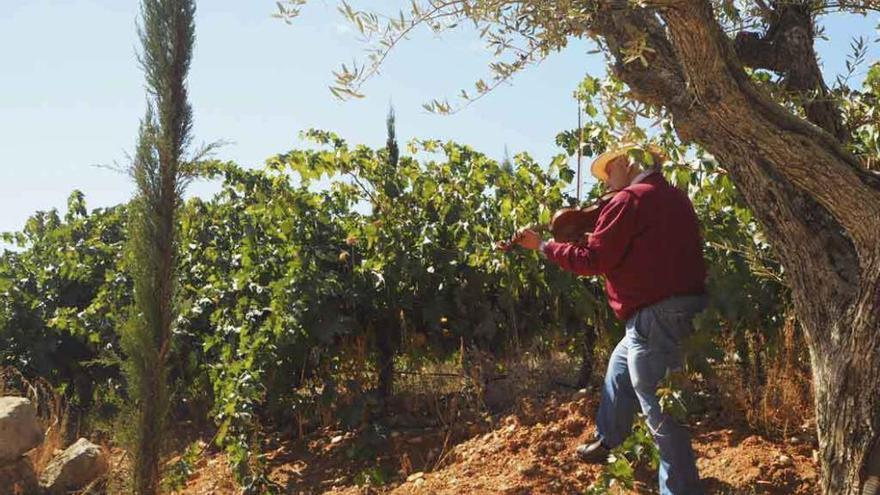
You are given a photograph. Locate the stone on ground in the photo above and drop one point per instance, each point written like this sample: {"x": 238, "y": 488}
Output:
{"x": 19, "y": 429}
{"x": 76, "y": 467}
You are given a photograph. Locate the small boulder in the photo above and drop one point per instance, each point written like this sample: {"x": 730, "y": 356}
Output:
{"x": 19, "y": 429}
{"x": 530, "y": 469}
{"x": 76, "y": 467}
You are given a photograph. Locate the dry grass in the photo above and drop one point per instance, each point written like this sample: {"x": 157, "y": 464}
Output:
{"x": 477, "y": 385}
{"x": 51, "y": 412}
{"x": 774, "y": 391}
{"x": 787, "y": 399}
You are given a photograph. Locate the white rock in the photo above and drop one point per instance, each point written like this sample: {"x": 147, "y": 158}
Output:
{"x": 580, "y": 394}
{"x": 19, "y": 429}
{"x": 336, "y": 439}
{"x": 415, "y": 476}
{"x": 76, "y": 467}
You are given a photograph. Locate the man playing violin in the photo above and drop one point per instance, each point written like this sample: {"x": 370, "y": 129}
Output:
{"x": 647, "y": 245}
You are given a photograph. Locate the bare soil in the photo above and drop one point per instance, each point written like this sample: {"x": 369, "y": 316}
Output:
{"x": 528, "y": 450}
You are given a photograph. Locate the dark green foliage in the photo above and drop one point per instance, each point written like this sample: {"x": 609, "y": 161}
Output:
{"x": 146, "y": 333}
{"x": 391, "y": 144}
{"x": 387, "y": 328}
{"x": 167, "y": 34}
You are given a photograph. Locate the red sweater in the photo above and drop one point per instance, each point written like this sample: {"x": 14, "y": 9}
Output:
{"x": 646, "y": 243}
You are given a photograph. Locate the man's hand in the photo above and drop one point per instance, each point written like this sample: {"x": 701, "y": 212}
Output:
{"x": 528, "y": 239}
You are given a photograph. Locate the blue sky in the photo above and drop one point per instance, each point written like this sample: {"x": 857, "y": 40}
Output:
{"x": 71, "y": 93}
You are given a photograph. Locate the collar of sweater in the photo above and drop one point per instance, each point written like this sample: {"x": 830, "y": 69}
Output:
{"x": 642, "y": 176}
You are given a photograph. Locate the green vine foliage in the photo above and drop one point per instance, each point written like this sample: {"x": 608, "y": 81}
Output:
{"x": 426, "y": 249}
{"x": 289, "y": 265}
{"x": 619, "y": 472}
{"x": 274, "y": 276}
{"x": 280, "y": 275}
{"x": 62, "y": 294}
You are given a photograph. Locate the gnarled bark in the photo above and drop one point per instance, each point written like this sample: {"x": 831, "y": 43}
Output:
{"x": 819, "y": 207}
{"x": 787, "y": 48}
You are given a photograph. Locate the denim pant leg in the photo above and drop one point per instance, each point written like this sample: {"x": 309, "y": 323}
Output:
{"x": 652, "y": 351}
{"x": 618, "y": 403}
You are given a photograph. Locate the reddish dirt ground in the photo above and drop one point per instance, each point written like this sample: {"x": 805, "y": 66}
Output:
{"x": 528, "y": 451}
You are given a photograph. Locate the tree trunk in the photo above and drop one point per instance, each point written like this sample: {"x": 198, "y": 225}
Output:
{"x": 588, "y": 361}
{"x": 387, "y": 337}
{"x": 846, "y": 386}
{"x": 819, "y": 207}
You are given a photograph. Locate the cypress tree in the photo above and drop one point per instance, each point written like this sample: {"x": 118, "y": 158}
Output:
{"x": 388, "y": 329}
{"x": 167, "y": 33}
{"x": 391, "y": 141}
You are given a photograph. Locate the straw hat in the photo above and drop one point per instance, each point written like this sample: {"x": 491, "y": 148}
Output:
{"x": 600, "y": 164}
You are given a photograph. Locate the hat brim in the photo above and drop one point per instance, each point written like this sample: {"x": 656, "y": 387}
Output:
{"x": 599, "y": 168}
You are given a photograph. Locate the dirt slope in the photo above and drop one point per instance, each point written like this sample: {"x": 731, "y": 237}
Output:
{"x": 530, "y": 451}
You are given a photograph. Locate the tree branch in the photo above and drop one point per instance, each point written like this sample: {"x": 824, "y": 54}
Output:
{"x": 787, "y": 48}
{"x": 812, "y": 197}
{"x": 657, "y": 78}
{"x": 727, "y": 99}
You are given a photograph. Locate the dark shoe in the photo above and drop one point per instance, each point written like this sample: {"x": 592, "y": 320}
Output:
{"x": 593, "y": 453}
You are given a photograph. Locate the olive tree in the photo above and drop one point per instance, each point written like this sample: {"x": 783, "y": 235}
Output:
{"x": 741, "y": 80}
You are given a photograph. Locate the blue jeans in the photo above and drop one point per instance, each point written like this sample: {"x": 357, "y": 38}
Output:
{"x": 649, "y": 350}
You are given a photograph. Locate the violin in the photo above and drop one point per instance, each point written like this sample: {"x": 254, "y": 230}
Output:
{"x": 569, "y": 224}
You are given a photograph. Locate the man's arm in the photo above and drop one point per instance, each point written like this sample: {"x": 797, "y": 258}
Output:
{"x": 605, "y": 247}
